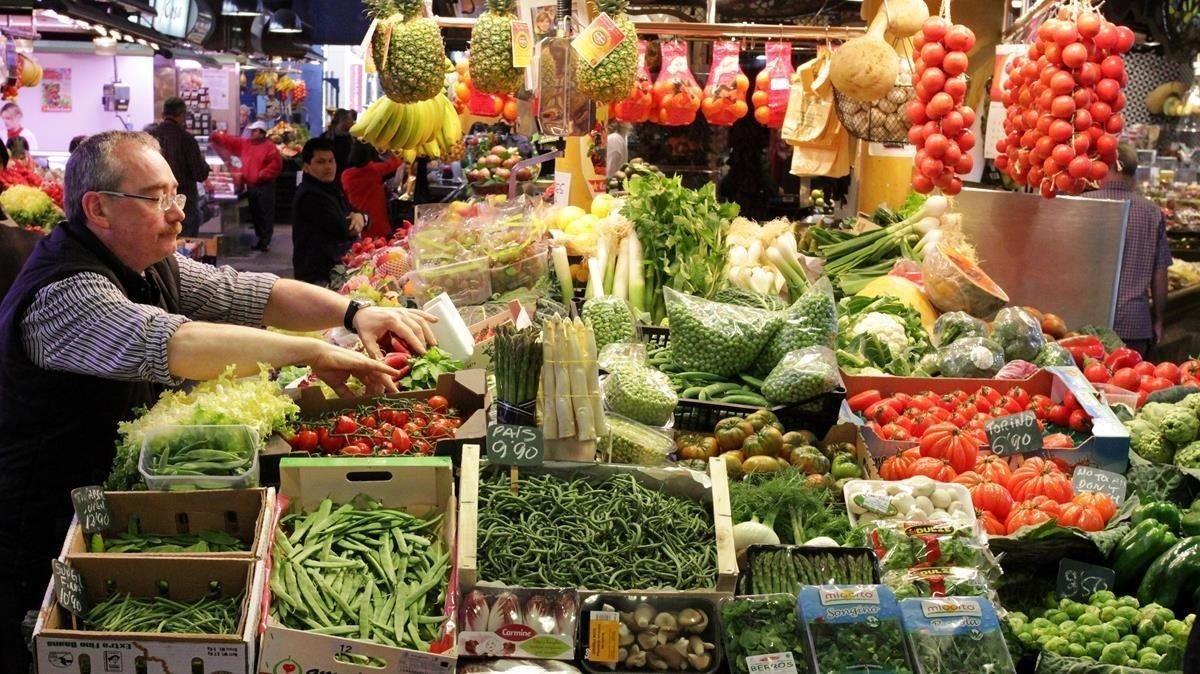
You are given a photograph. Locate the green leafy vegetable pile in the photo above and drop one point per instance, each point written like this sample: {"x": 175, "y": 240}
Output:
{"x": 854, "y": 628}
{"x": 762, "y": 625}
{"x": 427, "y": 368}
{"x": 796, "y": 511}
{"x": 878, "y": 335}
{"x": 956, "y": 636}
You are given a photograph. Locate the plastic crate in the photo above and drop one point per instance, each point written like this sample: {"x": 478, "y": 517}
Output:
{"x": 656, "y": 336}
{"x": 746, "y": 579}
{"x": 169, "y": 438}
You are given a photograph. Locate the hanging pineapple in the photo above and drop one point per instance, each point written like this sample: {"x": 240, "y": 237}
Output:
{"x": 407, "y": 50}
{"x": 492, "y": 71}
{"x": 612, "y": 79}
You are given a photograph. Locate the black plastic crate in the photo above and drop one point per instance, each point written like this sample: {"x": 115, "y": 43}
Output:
{"x": 655, "y": 336}
{"x": 812, "y": 552}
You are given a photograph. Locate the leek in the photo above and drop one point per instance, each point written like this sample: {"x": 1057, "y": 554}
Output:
{"x": 872, "y": 247}
{"x": 637, "y": 274}
{"x": 549, "y": 391}
{"x": 593, "y": 382}
{"x": 562, "y": 269}
{"x": 595, "y": 282}
{"x": 620, "y": 285}
{"x": 562, "y": 381}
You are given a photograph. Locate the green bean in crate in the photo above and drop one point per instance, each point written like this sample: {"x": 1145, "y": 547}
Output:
{"x": 205, "y": 541}
{"x": 609, "y": 534}
{"x": 160, "y": 615}
{"x": 200, "y": 457}
{"x": 361, "y": 571}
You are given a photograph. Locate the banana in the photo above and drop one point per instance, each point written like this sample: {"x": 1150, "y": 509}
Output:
{"x": 427, "y": 113}
{"x": 395, "y": 118}
{"x": 403, "y": 130}
{"x": 378, "y": 117}
{"x": 432, "y": 149}
{"x": 410, "y": 156}
{"x": 413, "y": 126}
{"x": 451, "y": 131}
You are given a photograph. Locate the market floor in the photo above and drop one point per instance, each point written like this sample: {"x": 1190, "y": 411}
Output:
{"x": 278, "y": 260}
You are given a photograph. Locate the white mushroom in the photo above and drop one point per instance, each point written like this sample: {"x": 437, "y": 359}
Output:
{"x": 625, "y": 637}
{"x": 699, "y": 662}
{"x": 643, "y": 615}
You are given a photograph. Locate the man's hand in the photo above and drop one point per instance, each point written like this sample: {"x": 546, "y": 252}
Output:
{"x": 334, "y": 365}
{"x": 357, "y": 222}
{"x": 411, "y": 325}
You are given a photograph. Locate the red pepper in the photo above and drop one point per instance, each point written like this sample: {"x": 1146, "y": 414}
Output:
{"x": 1084, "y": 346}
{"x": 1122, "y": 357}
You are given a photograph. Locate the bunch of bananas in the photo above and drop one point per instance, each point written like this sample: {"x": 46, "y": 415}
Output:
{"x": 428, "y": 128}
{"x": 285, "y": 84}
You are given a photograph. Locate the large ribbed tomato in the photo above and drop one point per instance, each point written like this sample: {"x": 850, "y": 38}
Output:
{"x": 934, "y": 469}
{"x": 1086, "y": 517}
{"x": 993, "y": 525}
{"x": 1033, "y": 511}
{"x": 994, "y": 468}
{"x": 949, "y": 442}
{"x": 1098, "y": 500}
{"x": 969, "y": 479}
{"x": 897, "y": 466}
{"x": 1038, "y": 477}
{"x": 992, "y": 497}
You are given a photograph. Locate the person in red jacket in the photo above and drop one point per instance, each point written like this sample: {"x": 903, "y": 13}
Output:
{"x": 261, "y": 165}
{"x": 363, "y": 182}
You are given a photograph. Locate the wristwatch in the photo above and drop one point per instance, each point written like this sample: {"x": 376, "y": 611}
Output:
{"x": 352, "y": 311}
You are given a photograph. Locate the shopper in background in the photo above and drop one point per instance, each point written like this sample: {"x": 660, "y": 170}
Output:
{"x": 1142, "y": 295}
{"x": 14, "y": 123}
{"x": 75, "y": 143}
{"x": 261, "y": 165}
{"x": 18, "y": 153}
{"x": 617, "y": 147}
{"x": 363, "y": 181}
{"x": 183, "y": 155}
{"x": 325, "y": 224}
{"x": 104, "y": 316}
{"x": 339, "y": 133}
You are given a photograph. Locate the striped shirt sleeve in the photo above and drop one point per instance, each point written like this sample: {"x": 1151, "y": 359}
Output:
{"x": 222, "y": 294}
{"x": 84, "y": 324}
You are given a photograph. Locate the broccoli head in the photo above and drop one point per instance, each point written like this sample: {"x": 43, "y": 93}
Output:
{"x": 1148, "y": 442}
{"x": 1018, "y": 333}
{"x": 1053, "y": 353}
{"x": 1180, "y": 426}
{"x": 955, "y": 325}
{"x": 1189, "y": 456}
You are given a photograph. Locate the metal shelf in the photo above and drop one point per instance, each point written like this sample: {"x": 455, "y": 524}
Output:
{"x": 714, "y": 30}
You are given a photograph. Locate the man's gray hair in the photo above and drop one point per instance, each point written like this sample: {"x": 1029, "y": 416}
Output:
{"x": 95, "y": 167}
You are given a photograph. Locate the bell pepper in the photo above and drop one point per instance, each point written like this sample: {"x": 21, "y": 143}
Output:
{"x": 1160, "y": 511}
{"x": 1083, "y": 347}
{"x": 1122, "y": 357}
{"x": 1189, "y": 523}
{"x": 1138, "y": 549}
{"x": 1174, "y": 570}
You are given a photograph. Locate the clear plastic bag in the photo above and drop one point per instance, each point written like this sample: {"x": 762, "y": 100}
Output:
{"x": 635, "y": 443}
{"x": 971, "y": 357}
{"x": 1053, "y": 353}
{"x": 802, "y": 374}
{"x": 611, "y": 319}
{"x": 720, "y": 339}
{"x": 809, "y": 321}
{"x": 853, "y": 628}
{"x": 1018, "y": 333}
{"x": 955, "y": 325}
{"x": 640, "y": 393}
{"x": 923, "y": 544}
{"x": 619, "y": 354}
{"x": 956, "y": 635}
{"x": 938, "y": 581}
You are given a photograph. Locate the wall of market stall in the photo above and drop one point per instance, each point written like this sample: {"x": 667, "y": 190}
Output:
{"x": 88, "y": 75}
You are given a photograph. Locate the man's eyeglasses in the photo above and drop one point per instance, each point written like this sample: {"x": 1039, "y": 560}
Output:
{"x": 165, "y": 202}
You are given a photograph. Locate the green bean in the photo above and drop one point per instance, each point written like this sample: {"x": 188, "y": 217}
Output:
{"x": 125, "y": 613}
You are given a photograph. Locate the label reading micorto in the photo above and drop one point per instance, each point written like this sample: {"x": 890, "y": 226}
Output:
{"x": 771, "y": 663}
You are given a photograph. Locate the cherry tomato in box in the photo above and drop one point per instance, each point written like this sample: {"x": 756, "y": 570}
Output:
{"x": 306, "y": 441}
{"x": 1080, "y": 422}
{"x": 438, "y": 403}
{"x": 345, "y": 425}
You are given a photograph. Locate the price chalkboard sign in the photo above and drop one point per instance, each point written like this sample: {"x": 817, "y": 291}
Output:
{"x": 1079, "y": 581}
{"x": 68, "y": 587}
{"x": 91, "y": 507}
{"x": 1086, "y": 478}
{"x": 1014, "y": 434}
{"x": 509, "y": 445}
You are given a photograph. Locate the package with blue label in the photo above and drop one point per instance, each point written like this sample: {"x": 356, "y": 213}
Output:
{"x": 955, "y": 635}
{"x": 853, "y": 628}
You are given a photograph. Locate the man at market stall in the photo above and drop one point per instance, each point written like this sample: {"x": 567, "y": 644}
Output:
{"x": 324, "y": 224}
{"x": 261, "y": 165}
{"x": 105, "y": 315}
{"x": 1142, "y": 292}
{"x": 183, "y": 155}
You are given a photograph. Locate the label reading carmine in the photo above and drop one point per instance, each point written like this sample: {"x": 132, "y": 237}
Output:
{"x": 771, "y": 663}
{"x": 516, "y": 632}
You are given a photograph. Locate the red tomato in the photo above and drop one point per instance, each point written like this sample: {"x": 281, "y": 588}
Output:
{"x": 345, "y": 425}
{"x": 1039, "y": 401}
{"x": 369, "y": 421}
{"x": 991, "y": 394}
{"x": 412, "y": 428}
{"x": 1152, "y": 384}
{"x": 982, "y": 404}
{"x": 1142, "y": 396}
{"x": 921, "y": 403}
{"x": 330, "y": 444}
{"x": 401, "y": 441}
{"x": 440, "y": 429}
{"x": 1080, "y": 422}
{"x": 896, "y": 432}
{"x": 423, "y": 447}
{"x": 1168, "y": 371}
{"x": 1059, "y": 415}
{"x": 861, "y": 401}
{"x": 881, "y": 413}
{"x": 1069, "y": 401}
{"x": 1009, "y": 405}
{"x": 940, "y": 413}
{"x": 1058, "y": 441}
{"x": 356, "y": 449}
{"x": 400, "y": 417}
{"x": 904, "y": 421}
{"x": 1190, "y": 367}
{"x": 1096, "y": 373}
{"x": 1144, "y": 368}
{"x": 438, "y": 403}
{"x": 1126, "y": 378}
{"x": 1020, "y": 395}
{"x": 306, "y": 441}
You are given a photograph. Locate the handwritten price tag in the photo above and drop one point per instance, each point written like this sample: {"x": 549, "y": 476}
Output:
{"x": 91, "y": 507}
{"x": 509, "y": 445}
{"x": 1086, "y": 478}
{"x": 1014, "y": 434}
{"x": 68, "y": 587}
{"x": 1077, "y": 580}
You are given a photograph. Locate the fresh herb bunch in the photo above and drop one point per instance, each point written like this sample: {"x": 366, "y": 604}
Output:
{"x": 761, "y": 625}
{"x": 956, "y": 635}
{"x": 859, "y": 647}
{"x": 937, "y": 582}
{"x": 796, "y": 511}
{"x": 947, "y": 654}
{"x": 427, "y": 368}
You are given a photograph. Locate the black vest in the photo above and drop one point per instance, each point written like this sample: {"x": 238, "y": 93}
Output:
{"x": 58, "y": 430}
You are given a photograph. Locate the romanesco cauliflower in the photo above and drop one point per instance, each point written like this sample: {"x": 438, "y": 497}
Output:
{"x": 1154, "y": 413}
{"x": 1189, "y": 456}
{"x": 1179, "y": 425}
{"x": 1148, "y": 442}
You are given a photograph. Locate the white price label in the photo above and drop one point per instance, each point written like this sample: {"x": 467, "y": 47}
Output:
{"x": 771, "y": 663}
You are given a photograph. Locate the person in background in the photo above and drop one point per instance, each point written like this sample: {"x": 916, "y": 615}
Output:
{"x": 363, "y": 181}
{"x": 261, "y": 165}
{"x": 14, "y": 121}
{"x": 339, "y": 133}
{"x": 183, "y": 155}
{"x": 1142, "y": 291}
{"x": 617, "y": 147}
{"x": 75, "y": 142}
{"x": 18, "y": 153}
{"x": 324, "y": 224}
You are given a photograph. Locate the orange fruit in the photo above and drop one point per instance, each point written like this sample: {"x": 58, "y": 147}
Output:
{"x": 708, "y": 106}
{"x": 663, "y": 116}
{"x": 662, "y": 88}
{"x": 739, "y": 109}
{"x": 742, "y": 82}
{"x": 762, "y": 79}
{"x": 510, "y": 110}
{"x": 762, "y": 115}
{"x": 497, "y": 105}
{"x": 462, "y": 68}
{"x": 759, "y": 98}
{"x": 462, "y": 90}
{"x": 667, "y": 101}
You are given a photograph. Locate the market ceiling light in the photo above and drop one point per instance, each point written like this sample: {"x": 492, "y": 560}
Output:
{"x": 23, "y": 45}
{"x": 284, "y": 21}
{"x": 188, "y": 64}
{"x": 242, "y": 7}
{"x": 105, "y": 46}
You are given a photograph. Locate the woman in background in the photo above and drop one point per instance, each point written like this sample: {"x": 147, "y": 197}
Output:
{"x": 363, "y": 183}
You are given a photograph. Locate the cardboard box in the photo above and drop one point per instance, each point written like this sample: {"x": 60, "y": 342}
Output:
{"x": 244, "y": 513}
{"x": 1108, "y": 448}
{"x": 413, "y": 484}
{"x": 58, "y": 647}
{"x": 669, "y": 478}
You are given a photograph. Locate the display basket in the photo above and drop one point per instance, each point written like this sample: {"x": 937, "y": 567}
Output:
{"x": 882, "y": 121}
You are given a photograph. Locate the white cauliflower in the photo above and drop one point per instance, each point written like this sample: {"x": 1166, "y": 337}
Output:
{"x": 888, "y": 328}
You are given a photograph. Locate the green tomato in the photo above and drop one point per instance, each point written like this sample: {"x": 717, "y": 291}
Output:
{"x": 1088, "y": 619}
{"x": 1057, "y": 645}
{"x": 1113, "y": 654}
{"x": 1077, "y": 651}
